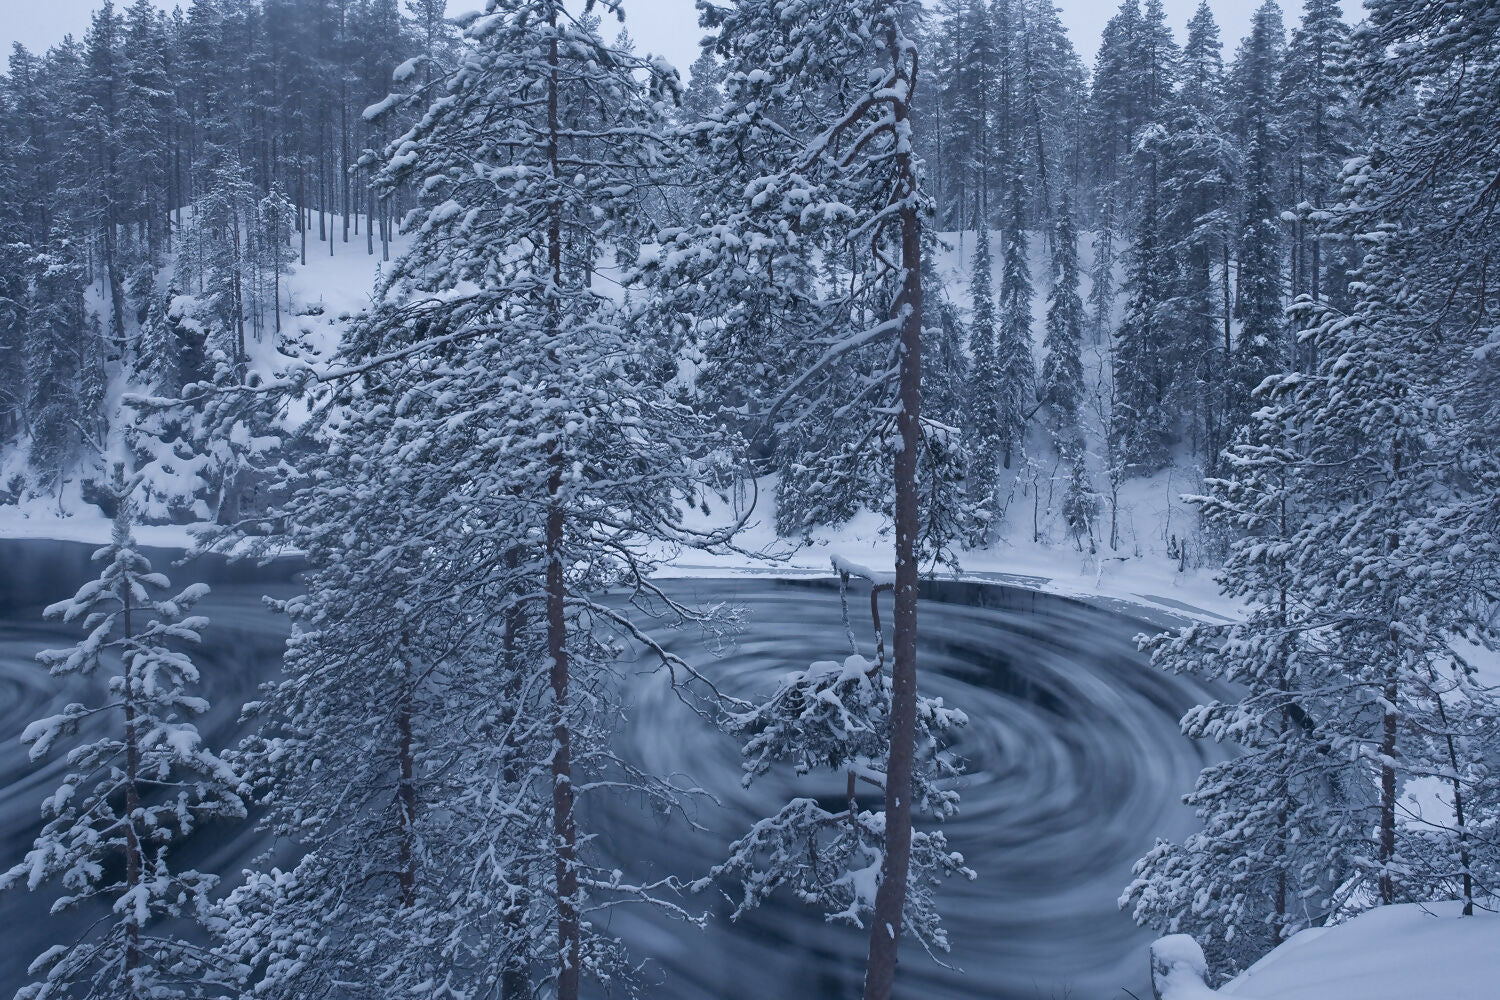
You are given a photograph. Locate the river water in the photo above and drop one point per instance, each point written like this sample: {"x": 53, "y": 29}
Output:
{"x": 1074, "y": 767}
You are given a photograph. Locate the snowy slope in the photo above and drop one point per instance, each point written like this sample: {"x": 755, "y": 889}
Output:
{"x": 1407, "y": 952}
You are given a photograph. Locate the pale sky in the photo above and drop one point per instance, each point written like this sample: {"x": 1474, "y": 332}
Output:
{"x": 667, "y": 27}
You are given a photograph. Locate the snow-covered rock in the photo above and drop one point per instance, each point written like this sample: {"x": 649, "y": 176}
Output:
{"x": 1178, "y": 969}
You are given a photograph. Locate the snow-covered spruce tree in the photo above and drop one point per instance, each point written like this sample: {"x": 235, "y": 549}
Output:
{"x": 419, "y": 859}
{"x": 504, "y": 445}
{"x": 14, "y": 252}
{"x": 55, "y": 321}
{"x": 1013, "y": 336}
{"x": 1200, "y": 225}
{"x": 1408, "y": 558}
{"x": 811, "y": 159}
{"x": 215, "y": 448}
{"x": 140, "y": 780}
{"x": 1282, "y": 818}
{"x": 836, "y": 715}
{"x": 945, "y": 372}
{"x": 1102, "y": 275}
{"x": 1321, "y": 130}
{"x": 1081, "y": 502}
{"x": 985, "y": 423}
{"x": 1062, "y": 369}
{"x": 1390, "y": 562}
{"x": 1142, "y": 426}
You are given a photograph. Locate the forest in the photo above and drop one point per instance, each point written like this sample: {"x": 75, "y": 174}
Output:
{"x": 868, "y": 276}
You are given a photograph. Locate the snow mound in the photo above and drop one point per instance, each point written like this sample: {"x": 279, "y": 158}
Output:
{"x": 1178, "y": 968}
{"x": 1407, "y": 952}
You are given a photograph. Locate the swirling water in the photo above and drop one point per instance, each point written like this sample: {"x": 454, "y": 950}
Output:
{"x": 1074, "y": 766}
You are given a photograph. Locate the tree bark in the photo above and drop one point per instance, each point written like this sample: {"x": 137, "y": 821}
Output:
{"x": 1388, "y": 791}
{"x": 890, "y": 896}
{"x": 406, "y": 802}
{"x": 134, "y": 862}
{"x": 564, "y": 832}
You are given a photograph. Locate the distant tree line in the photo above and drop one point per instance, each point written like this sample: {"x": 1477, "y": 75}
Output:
{"x": 194, "y": 154}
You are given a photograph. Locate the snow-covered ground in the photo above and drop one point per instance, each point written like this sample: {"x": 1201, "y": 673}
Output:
{"x": 1407, "y": 952}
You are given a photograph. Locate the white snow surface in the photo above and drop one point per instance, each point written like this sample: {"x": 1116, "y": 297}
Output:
{"x": 1405, "y": 952}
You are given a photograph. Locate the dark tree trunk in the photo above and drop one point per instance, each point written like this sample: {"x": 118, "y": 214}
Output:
{"x": 406, "y": 804}
{"x": 134, "y": 862}
{"x": 564, "y": 832}
{"x": 890, "y": 896}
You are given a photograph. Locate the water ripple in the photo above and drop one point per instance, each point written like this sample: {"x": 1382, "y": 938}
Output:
{"x": 1074, "y": 766}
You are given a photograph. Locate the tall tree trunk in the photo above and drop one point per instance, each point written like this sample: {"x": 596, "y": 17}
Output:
{"x": 344, "y": 154}
{"x": 564, "y": 832}
{"x": 406, "y": 801}
{"x": 890, "y": 896}
{"x": 515, "y": 977}
{"x": 1387, "y": 856}
{"x": 134, "y": 862}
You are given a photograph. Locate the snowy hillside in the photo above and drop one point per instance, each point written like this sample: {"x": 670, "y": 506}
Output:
{"x": 1407, "y": 952}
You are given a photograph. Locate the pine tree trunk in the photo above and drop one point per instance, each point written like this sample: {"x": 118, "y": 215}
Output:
{"x": 890, "y": 896}
{"x": 134, "y": 863}
{"x": 515, "y": 978}
{"x": 1388, "y": 791}
{"x": 344, "y": 156}
{"x": 1390, "y": 693}
{"x": 1465, "y": 860}
{"x": 565, "y": 839}
{"x": 406, "y": 803}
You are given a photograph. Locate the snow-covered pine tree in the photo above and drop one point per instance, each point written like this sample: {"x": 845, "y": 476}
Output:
{"x": 985, "y": 423}
{"x": 1142, "y": 426}
{"x": 144, "y": 138}
{"x": 1397, "y": 489}
{"x": 1017, "y": 369}
{"x": 140, "y": 780}
{"x": 419, "y": 860}
{"x": 224, "y": 220}
{"x": 1200, "y": 201}
{"x": 55, "y": 327}
{"x": 505, "y": 444}
{"x": 1380, "y": 583}
{"x": 835, "y": 715}
{"x": 704, "y": 95}
{"x": 1102, "y": 275}
{"x": 812, "y": 161}
{"x": 275, "y": 219}
{"x": 1062, "y": 368}
{"x": 1261, "y": 346}
{"x": 1282, "y": 817}
{"x": 95, "y": 135}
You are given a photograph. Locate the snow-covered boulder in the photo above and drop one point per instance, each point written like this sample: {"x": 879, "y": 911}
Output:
{"x": 1178, "y": 969}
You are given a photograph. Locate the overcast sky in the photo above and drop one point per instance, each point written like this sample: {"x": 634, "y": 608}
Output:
{"x": 666, "y": 26}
